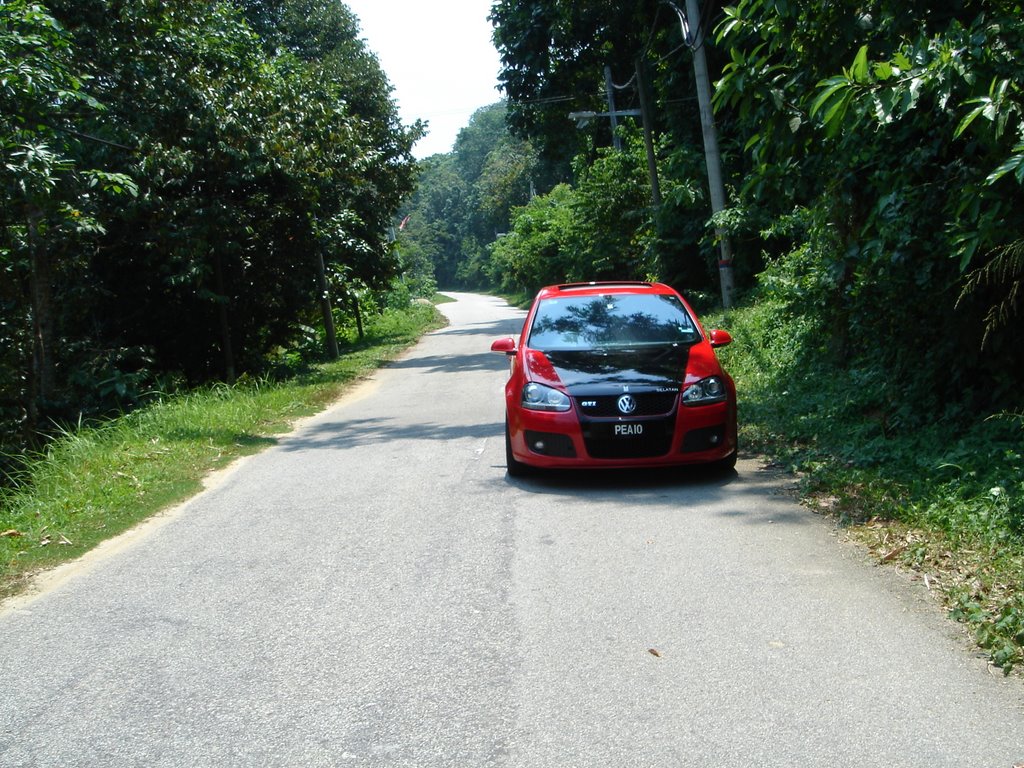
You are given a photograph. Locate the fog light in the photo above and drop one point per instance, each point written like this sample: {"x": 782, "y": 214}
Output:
{"x": 713, "y": 439}
{"x": 550, "y": 444}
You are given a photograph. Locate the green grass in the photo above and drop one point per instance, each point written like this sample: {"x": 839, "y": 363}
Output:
{"x": 97, "y": 481}
{"x": 943, "y": 496}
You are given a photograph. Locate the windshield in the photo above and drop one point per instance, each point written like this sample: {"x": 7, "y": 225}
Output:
{"x": 611, "y": 321}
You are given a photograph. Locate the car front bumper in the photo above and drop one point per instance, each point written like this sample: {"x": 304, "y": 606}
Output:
{"x": 690, "y": 435}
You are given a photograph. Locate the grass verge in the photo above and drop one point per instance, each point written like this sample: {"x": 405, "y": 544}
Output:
{"x": 97, "y": 481}
{"x": 942, "y": 497}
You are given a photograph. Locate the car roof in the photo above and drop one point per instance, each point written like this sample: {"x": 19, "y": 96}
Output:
{"x": 603, "y": 287}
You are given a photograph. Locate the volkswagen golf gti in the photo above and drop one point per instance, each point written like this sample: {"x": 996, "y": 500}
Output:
{"x": 615, "y": 375}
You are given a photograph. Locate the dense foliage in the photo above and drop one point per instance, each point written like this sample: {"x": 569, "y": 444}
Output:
{"x": 874, "y": 157}
{"x": 464, "y": 201}
{"x": 882, "y": 168}
{"x": 188, "y": 188}
{"x": 900, "y": 133}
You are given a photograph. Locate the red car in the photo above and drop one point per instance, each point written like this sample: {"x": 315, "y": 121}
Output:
{"x": 616, "y": 375}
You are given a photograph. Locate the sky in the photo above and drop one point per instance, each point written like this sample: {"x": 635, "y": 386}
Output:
{"x": 439, "y": 58}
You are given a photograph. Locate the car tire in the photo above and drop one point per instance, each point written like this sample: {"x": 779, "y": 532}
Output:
{"x": 728, "y": 464}
{"x": 514, "y": 467}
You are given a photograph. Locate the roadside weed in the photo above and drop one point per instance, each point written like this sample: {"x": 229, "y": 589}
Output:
{"x": 943, "y": 496}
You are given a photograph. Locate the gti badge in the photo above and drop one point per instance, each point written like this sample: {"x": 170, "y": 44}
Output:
{"x": 627, "y": 404}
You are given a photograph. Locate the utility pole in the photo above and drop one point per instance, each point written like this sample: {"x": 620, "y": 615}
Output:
{"x": 645, "y": 115}
{"x": 616, "y": 141}
{"x": 691, "y": 22}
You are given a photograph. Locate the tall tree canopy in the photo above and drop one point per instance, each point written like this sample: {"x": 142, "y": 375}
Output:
{"x": 892, "y": 136}
{"x": 466, "y": 198}
{"x": 183, "y": 181}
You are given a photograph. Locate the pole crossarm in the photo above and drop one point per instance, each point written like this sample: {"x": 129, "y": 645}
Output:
{"x": 616, "y": 113}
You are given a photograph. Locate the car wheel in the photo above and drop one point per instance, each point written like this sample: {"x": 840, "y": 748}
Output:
{"x": 514, "y": 467}
{"x": 728, "y": 464}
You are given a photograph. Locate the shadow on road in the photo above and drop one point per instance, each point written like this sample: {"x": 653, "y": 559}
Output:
{"x": 352, "y": 433}
{"x": 754, "y": 495}
{"x": 485, "y": 361}
{"x": 509, "y": 327}
{"x": 569, "y": 480}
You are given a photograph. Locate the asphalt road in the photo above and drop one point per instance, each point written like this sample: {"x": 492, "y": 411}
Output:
{"x": 374, "y": 591}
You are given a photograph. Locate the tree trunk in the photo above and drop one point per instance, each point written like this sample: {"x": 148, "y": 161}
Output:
{"x": 359, "y": 316}
{"x": 42, "y": 384}
{"x": 225, "y": 326}
{"x": 325, "y": 307}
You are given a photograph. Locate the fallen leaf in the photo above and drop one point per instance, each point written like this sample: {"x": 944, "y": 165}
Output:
{"x": 654, "y": 652}
{"x": 10, "y": 534}
{"x": 893, "y": 553}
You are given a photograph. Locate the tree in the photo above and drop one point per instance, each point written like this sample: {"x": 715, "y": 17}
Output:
{"x": 324, "y": 34}
{"x": 258, "y": 164}
{"x": 553, "y": 55}
{"x": 538, "y": 249}
{"x": 438, "y": 218}
{"x": 505, "y": 182}
{"x": 465, "y": 199}
{"x": 253, "y": 161}
{"x": 598, "y": 229}
{"x": 886, "y": 133}
{"x": 49, "y": 197}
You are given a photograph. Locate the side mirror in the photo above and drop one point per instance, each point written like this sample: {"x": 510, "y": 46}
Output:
{"x": 506, "y": 346}
{"x": 720, "y": 338}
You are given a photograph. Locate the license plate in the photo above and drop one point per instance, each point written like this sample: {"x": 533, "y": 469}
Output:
{"x": 627, "y": 430}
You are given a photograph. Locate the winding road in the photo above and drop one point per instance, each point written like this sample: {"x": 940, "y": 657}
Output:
{"x": 375, "y": 591}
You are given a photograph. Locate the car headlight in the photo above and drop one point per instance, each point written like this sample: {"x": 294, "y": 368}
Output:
{"x": 537, "y": 397}
{"x": 709, "y": 390}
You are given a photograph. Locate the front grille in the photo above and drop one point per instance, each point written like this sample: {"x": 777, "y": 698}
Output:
{"x": 603, "y": 443}
{"x": 647, "y": 404}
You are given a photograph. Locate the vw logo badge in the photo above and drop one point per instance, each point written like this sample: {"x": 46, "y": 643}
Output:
{"x": 627, "y": 404}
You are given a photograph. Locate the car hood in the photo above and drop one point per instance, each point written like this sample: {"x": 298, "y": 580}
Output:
{"x": 595, "y": 372}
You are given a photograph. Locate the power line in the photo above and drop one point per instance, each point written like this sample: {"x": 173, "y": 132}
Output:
{"x": 692, "y": 39}
{"x": 544, "y": 101}
{"x": 627, "y": 84}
